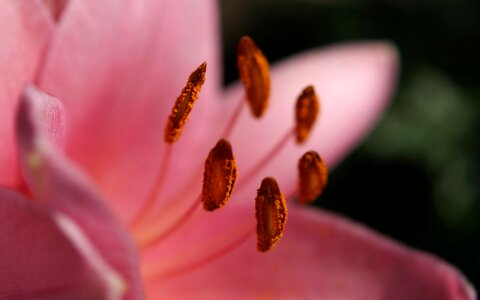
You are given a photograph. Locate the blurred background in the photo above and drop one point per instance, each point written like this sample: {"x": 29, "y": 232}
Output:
{"x": 417, "y": 176}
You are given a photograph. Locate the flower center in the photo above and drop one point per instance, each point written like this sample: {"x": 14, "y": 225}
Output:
{"x": 220, "y": 174}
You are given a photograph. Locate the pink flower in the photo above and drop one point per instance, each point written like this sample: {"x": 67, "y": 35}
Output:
{"x": 76, "y": 171}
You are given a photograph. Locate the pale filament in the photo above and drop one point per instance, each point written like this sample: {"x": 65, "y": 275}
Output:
{"x": 220, "y": 248}
{"x": 234, "y": 118}
{"x": 268, "y": 157}
{"x": 154, "y": 237}
{"x": 156, "y": 188}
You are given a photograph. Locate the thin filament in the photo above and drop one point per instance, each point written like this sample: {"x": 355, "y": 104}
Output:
{"x": 157, "y": 237}
{"x": 228, "y": 248}
{"x": 156, "y": 189}
{"x": 276, "y": 149}
{"x": 233, "y": 119}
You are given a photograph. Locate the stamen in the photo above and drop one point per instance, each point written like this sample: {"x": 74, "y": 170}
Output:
{"x": 253, "y": 70}
{"x": 219, "y": 179}
{"x": 219, "y": 176}
{"x": 271, "y": 214}
{"x": 306, "y": 113}
{"x": 313, "y": 175}
{"x": 174, "y": 127}
{"x": 184, "y": 104}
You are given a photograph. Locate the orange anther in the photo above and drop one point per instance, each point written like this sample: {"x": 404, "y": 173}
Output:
{"x": 254, "y": 73}
{"x": 219, "y": 176}
{"x": 306, "y": 113}
{"x": 271, "y": 214}
{"x": 313, "y": 175}
{"x": 184, "y": 104}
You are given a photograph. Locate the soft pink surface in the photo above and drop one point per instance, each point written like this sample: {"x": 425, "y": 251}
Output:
{"x": 118, "y": 68}
{"x": 56, "y": 183}
{"x": 24, "y": 31}
{"x": 39, "y": 260}
{"x": 322, "y": 256}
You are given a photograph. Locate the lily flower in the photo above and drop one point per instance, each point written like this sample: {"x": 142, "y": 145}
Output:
{"x": 102, "y": 182}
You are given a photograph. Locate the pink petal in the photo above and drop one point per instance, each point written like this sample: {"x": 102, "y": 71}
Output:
{"x": 354, "y": 83}
{"x": 55, "y": 182}
{"x": 24, "y": 30}
{"x": 45, "y": 256}
{"x": 322, "y": 256}
{"x": 118, "y": 67}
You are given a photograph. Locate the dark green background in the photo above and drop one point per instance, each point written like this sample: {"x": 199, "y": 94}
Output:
{"x": 417, "y": 176}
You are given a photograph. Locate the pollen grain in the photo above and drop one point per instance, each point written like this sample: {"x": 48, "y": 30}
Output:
{"x": 219, "y": 176}
{"x": 306, "y": 113}
{"x": 271, "y": 214}
{"x": 253, "y": 70}
{"x": 313, "y": 176}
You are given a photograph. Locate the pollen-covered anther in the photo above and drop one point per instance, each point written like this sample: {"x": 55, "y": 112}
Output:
{"x": 271, "y": 214}
{"x": 306, "y": 113}
{"x": 219, "y": 176}
{"x": 184, "y": 104}
{"x": 253, "y": 70}
{"x": 313, "y": 175}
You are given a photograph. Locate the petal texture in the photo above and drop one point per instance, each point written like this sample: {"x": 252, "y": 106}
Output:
{"x": 118, "y": 67}
{"x": 25, "y": 30}
{"x": 45, "y": 256}
{"x": 322, "y": 256}
{"x": 354, "y": 83}
{"x": 55, "y": 182}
